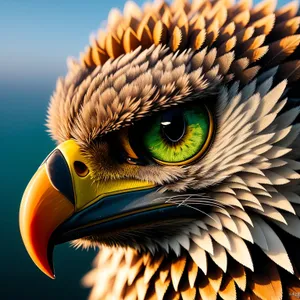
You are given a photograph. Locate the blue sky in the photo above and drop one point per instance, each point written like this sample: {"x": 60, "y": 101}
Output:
{"x": 36, "y": 36}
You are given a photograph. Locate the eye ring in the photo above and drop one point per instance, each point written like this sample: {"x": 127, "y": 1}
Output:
{"x": 81, "y": 169}
{"x": 202, "y": 150}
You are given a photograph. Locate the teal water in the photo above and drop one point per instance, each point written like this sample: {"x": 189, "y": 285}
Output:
{"x": 24, "y": 145}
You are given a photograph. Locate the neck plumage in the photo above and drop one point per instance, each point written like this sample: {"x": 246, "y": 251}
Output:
{"x": 126, "y": 274}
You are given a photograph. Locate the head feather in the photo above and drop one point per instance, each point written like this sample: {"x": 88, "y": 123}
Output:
{"x": 246, "y": 59}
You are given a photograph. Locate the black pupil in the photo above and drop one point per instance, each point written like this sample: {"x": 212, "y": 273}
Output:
{"x": 173, "y": 125}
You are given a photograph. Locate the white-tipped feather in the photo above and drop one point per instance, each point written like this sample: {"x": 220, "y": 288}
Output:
{"x": 240, "y": 214}
{"x": 228, "y": 223}
{"x": 194, "y": 229}
{"x": 201, "y": 224}
{"x": 220, "y": 237}
{"x": 243, "y": 230}
{"x": 239, "y": 250}
{"x": 271, "y": 98}
{"x": 199, "y": 257}
{"x": 203, "y": 241}
{"x": 292, "y": 225}
{"x": 213, "y": 220}
{"x": 279, "y": 201}
{"x": 220, "y": 256}
{"x": 184, "y": 241}
{"x": 276, "y": 250}
{"x": 273, "y": 213}
{"x": 175, "y": 246}
{"x": 177, "y": 269}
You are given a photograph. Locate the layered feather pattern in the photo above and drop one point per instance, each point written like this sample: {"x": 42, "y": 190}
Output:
{"x": 258, "y": 189}
{"x": 243, "y": 59}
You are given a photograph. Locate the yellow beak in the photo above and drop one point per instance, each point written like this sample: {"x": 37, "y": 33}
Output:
{"x": 62, "y": 187}
{"x": 42, "y": 202}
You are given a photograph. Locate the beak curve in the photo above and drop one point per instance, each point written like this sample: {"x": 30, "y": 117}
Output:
{"x": 63, "y": 189}
{"x": 42, "y": 202}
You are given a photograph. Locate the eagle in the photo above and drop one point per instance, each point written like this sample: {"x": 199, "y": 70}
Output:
{"x": 178, "y": 154}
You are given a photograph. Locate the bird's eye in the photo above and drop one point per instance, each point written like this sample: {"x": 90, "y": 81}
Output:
{"x": 179, "y": 136}
{"x": 175, "y": 137}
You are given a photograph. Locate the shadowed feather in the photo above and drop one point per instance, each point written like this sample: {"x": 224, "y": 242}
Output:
{"x": 243, "y": 194}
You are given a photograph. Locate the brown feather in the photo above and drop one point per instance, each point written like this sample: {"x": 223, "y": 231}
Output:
{"x": 113, "y": 46}
{"x": 263, "y": 9}
{"x": 87, "y": 58}
{"x": 237, "y": 272}
{"x": 221, "y": 15}
{"x": 226, "y": 33}
{"x": 249, "y": 74}
{"x": 255, "y": 54}
{"x": 290, "y": 71}
{"x": 215, "y": 276}
{"x": 227, "y": 290}
{"x": 192, "y": 270}
{"x": 149, "y": 20}
{"x": 207, "y": 292}
{"x": 227, "y": 46}
{"x": 251, "y": 44}
{"x": 167, "y": 18}
{"x": 197, "y": 39}
{"x": 212, "y": 33}
{"x": 245, "y": 34}
{"x": 264, "y": 25}
{"x": 160, "y": 33}
{"x": 130, "y": 40}
{"x": 151, "y": 268}
{"x": 177, "y": 269}
{"x": 164, "y": 271}
{"x": 286, "y": 28}
{"x": 242, "y": 19}
{"x": 281, "y": 49}
{"x": 239, "y": 7}
{"x": 144, "y": 35}
{"x": 199, "y": 23}
{"x": 164, "y": 55}
{"x": 176, "y": 39}
{"x": 188, "y": 293}
{"x": 161, "y": 287}
{"x": 266, "y": 283}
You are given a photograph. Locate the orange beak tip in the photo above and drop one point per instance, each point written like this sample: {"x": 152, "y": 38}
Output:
{"x": 51, "y": 275}
{"x": 42, "y": 210}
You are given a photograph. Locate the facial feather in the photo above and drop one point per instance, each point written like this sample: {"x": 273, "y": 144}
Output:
{"x": 245, "y": 61}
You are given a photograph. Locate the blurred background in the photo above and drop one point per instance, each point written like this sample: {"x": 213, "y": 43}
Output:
{"x": 36, "y": 37}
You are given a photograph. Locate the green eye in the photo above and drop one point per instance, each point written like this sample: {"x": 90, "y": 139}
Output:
{"x": 179, "y": 136}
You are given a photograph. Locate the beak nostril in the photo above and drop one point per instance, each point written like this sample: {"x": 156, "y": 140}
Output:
{"x": 80, "y": 168}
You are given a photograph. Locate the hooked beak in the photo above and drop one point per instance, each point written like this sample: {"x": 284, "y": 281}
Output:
{"x": 61, "y": 203}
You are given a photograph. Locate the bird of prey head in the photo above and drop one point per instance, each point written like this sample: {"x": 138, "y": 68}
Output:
{"x": 177, "y": 154}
